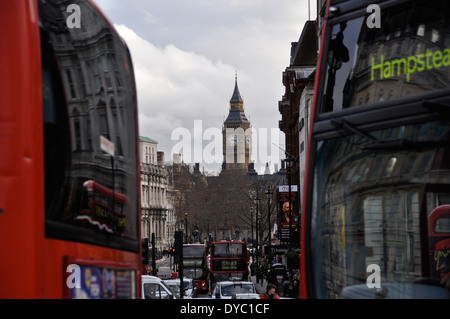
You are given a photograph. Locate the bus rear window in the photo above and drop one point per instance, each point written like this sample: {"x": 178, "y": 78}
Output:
{"x": 229, "y": 250}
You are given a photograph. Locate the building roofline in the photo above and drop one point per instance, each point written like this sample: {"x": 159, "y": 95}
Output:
{"x": 147, "y": 139}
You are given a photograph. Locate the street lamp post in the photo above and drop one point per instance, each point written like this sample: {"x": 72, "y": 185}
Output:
{"x": 186, "y": 228}
{"x": 251, "y": 226}
{"x": 269, "y": 195}
{"x": 289, "y": 163}
{"x": 257, "y": 199}
{"x": 208, "y": 234}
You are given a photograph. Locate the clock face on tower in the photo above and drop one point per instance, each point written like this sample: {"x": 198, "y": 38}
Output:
{"x": 232, "y": 139}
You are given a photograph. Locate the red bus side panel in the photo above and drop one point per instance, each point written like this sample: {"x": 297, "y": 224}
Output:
{"x": 21, "y": 143}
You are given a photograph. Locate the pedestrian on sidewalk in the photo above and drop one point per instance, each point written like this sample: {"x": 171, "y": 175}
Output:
{"x": 259, "y": 274}
{"x": 270, "y": 294}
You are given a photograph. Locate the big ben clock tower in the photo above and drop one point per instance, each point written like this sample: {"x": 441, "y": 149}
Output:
{"x": 237, "y": 135}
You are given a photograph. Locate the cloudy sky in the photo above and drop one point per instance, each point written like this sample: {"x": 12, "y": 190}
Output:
{"x": 185, "y": 55}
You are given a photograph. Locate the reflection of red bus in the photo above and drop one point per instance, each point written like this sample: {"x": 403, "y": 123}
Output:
{"x": 194, "y": 265}
{"x": 439, "y": 241}
{"x": 98, "y": 210}
{"x": 229, "y": 261}
{"x": 62, "y": 88}
{"x": 378, "y": 162}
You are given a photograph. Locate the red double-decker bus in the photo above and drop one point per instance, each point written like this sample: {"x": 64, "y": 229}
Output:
{"x": 378, "y": 162}
{"x": 69, "y": 211}
{"x": 229, "y": 261}
{"x": 195, "y": 265}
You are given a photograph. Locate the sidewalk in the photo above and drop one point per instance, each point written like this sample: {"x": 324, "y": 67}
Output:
{"x": 261, "y": 286}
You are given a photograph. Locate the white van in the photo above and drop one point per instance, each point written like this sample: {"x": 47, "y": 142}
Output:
{"x": 154, "y": 288}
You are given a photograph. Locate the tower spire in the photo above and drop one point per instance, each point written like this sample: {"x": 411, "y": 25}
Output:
{"x": 236, "y": 99}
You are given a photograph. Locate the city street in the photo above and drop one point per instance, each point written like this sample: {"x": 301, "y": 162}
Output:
{"x": 165, "y": 268}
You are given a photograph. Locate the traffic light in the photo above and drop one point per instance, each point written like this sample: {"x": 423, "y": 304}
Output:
{"x": 178, "y": 249}
{"x": 145, "y": 251}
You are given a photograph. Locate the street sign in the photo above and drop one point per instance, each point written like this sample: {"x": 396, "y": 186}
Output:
{"x": 280, "y": 249}
{"x": 106, "y": 145}
{"x": 285, "y": 188}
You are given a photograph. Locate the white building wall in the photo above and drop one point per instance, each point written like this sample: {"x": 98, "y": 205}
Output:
{"x": 304, "y": 127}
{"x": 156, "y": 203}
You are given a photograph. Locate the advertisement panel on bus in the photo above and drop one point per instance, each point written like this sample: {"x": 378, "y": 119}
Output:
{"x": 288, "y": 214}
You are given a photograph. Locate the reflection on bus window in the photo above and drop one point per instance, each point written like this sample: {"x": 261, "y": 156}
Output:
{"x": 439, "y": 239}
{"x": 89, "y": 93}
{"x": 376, "y": 219}
{"x": 97, "y": 211}
{"x": 368, "y": 65}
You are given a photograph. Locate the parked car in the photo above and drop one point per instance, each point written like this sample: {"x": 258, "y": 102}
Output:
{"x": 154, "y": 288}
{"x": 226, "y": 289}
{"x": 190, "y": 289}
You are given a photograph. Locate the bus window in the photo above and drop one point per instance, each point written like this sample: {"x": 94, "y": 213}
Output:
{"x": 407, "y": 56}
{"x": 56, "y": 132}
{"x": 229, "y": 250}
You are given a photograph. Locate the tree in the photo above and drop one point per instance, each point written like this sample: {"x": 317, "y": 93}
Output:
{"x": 221, "y": 204}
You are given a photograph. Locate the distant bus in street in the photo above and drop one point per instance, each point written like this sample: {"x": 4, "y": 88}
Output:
{"x": 229, "y": 261}
{"x": 195, "y": 265}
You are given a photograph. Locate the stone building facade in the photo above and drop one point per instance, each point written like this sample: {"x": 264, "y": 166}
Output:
{"x": 295, "y": 106}
{"x": 157, "y": 209}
